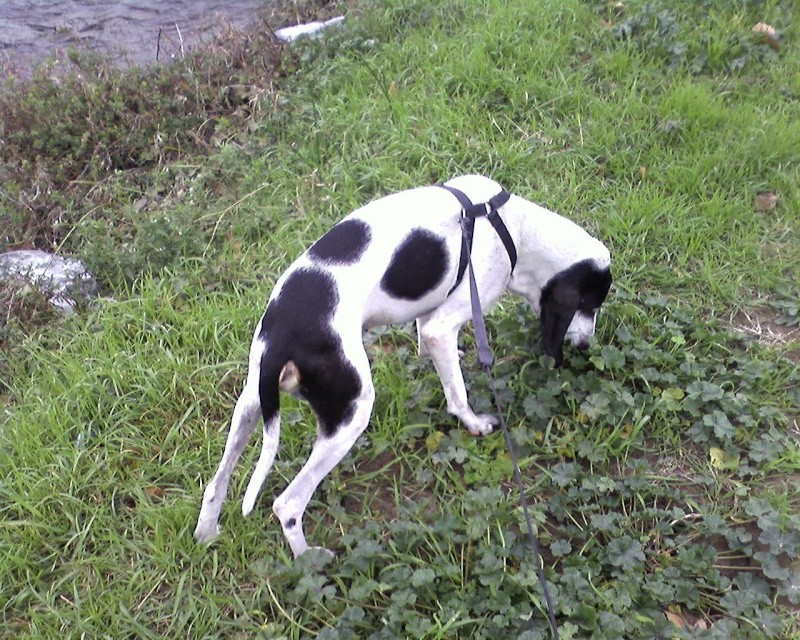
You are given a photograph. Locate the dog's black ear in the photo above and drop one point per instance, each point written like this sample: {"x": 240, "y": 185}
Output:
{"x": 559, "y": 302}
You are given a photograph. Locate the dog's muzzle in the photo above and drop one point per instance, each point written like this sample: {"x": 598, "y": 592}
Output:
{"x": 581, "y": 329}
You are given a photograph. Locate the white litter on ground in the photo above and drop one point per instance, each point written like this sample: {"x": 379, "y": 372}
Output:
{"x": 288, "y": 34}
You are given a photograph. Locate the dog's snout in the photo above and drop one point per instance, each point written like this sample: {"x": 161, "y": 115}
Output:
{"x": 581, "y": 330}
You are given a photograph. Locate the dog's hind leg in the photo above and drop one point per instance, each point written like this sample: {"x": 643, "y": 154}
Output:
{"x": 325, "y": 455}
{"x": 269, "y": 446}
{"x": 347, "y": 394}
{"x": 245, "y": 414}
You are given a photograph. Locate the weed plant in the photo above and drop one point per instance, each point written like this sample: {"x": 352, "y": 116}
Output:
{"x": 661, "y": 465}
{"x": 91, "y": 154}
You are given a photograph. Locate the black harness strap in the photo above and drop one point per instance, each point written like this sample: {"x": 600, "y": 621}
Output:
{"x": 468, "y": 214}
{"x": 499, "y": 226}
{"x": 466, "y": 203}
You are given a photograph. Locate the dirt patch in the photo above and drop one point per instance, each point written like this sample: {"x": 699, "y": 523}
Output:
{"x": 376, "y": 486}
{"x": 373, "y": 489}
{"x": 761, "y": 325}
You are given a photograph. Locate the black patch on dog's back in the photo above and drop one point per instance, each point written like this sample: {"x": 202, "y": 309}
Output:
{"x": 296, "y": 326}
{"x": 342, "y": 244}
{"x": 417, "y": 266}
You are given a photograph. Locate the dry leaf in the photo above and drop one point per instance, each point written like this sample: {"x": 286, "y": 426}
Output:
{"x": 675, "y": 619}
{"x": 724, "y": 461}
{"x": 768, "y": 35}
{"x": 154, "y": 493}
{"x": 685, "y": 622}
{"x": 432, "y": 441}
{"x": 766, "y": 200}
{"x": 762, "y": 28}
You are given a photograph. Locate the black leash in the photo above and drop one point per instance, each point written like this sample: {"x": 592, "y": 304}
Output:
{"x": 486, "y": 360}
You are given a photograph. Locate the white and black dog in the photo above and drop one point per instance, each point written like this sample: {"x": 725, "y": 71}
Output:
{"x": 397, "y": 259}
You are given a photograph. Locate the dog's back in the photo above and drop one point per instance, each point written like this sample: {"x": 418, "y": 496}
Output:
{"x": 391, "y": 259}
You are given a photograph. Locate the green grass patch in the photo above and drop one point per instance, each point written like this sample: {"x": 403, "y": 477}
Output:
{"x": 661, "y": 465}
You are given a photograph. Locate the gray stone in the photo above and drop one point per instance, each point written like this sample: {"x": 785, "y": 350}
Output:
{"x": 65, "y": 281}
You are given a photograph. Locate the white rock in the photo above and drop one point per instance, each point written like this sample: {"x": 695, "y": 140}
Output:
{"x": 63, "y": 280}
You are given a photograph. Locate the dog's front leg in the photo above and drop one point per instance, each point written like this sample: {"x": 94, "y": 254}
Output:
{"x": 440, "y": 339}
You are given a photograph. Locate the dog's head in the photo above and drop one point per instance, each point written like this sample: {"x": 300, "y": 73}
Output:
{"x": 569, "y": 304}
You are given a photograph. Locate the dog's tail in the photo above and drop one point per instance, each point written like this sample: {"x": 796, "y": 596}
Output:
{"x": 289, "y": 378}
{"x": 275, "y": 374}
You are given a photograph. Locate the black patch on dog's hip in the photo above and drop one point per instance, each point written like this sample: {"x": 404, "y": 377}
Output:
{"x": 304, "y": 306}
{"x": 296, "y": 327}
{"x": 343, "y": 244}
{"x": 417, "y": 266}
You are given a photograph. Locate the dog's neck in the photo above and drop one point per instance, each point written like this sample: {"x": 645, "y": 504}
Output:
{"x": 558, "y": 242}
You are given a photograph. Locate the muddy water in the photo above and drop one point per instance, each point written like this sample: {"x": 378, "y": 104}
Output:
{"x": 132, "y": 31}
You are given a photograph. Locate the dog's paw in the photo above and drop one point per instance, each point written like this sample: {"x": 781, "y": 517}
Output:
{"x": 206, "y": 531}
{"x": 315, "y": 558}
{"x": 482, "y": 425}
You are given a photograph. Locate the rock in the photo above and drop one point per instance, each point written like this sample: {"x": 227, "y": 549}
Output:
{"x": 65, "y": 281}
{"x": 288, "y": 34}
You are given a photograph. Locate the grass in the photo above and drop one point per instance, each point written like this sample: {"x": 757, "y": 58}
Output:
{"x": 662, "y": 465}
